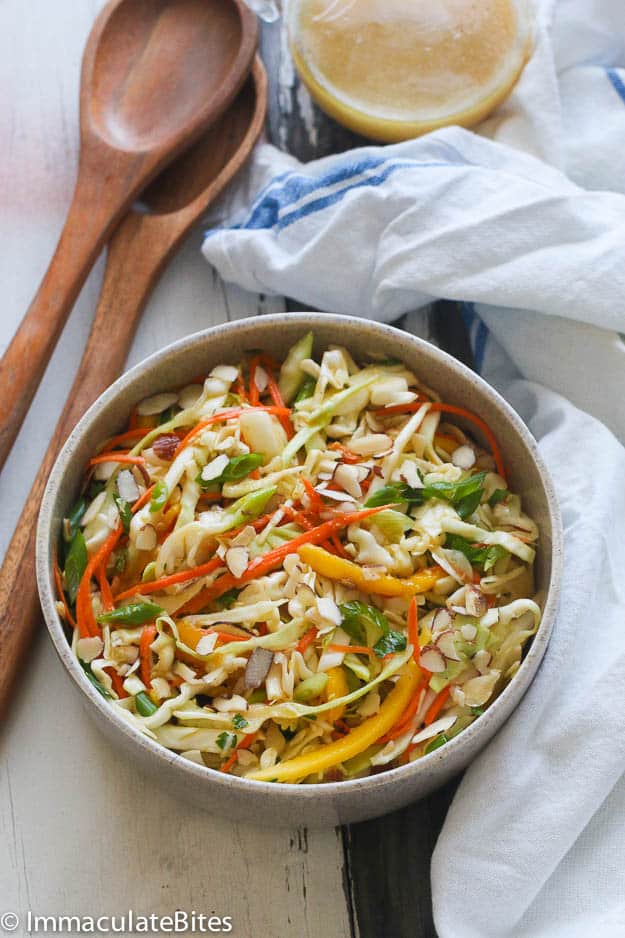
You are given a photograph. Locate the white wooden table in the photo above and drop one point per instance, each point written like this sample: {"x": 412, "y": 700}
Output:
{"x": 80, "y": 832}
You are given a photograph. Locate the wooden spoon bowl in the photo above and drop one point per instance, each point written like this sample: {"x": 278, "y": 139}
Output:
{"x": 155, "y": 75}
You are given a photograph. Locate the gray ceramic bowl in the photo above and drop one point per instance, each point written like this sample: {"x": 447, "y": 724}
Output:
{"x": 332, "y": 803}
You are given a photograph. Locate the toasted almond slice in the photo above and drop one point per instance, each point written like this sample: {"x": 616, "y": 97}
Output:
{"x": 464, "y": 457}
{"x": 189, "y": 396}
{"x": 156, "y": 404}
{"x": 347, "y": 478}
{"x": 439, "y": 726}
{"x": 431, "y": 658}
{"x": 127, "y": 487}
{"x": 244, "y": 537}
{"x": 237, "y": 559}
{"x": 468, "y": 632}
{"x": 261, "y": 378}
{"x": 227, "y": 373}
{"x": 146, "y": 538}
{"x": 372, "y": 444}
{"x": 445, "y": 643}
{"x": 475, "y": 601}
{"x": 88, "y": 649}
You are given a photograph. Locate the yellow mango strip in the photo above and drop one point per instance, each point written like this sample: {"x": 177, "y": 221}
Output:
{"x": 338, "y": 568}
{"x": 336, "y": 687}
{"x": 355, "y": 742}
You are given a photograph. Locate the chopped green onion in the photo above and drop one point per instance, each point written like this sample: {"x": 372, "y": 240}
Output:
{"x": 239, "y": 722}
{"x": 498, "y": 496}
{"x": 73, "y": 519}
{"x": 125, "y": 513}
{"x": 132, "y": 614}
{"x": 226, "y": 740}
{"x": 144, "y": 705}
{"x": 306, "y": 389}
{"x": 75, "y": 565}
{"x": 159, "y": 496}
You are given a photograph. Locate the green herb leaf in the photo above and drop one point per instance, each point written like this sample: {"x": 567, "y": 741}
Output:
{"x": 95, "y": 487}
{"x": 125, "y": 514}
{"x": 132, "y": 614}
{"x": 477, "y": 711}
{"x": 436, "y": 743}
{"x": 159, "y": 496}
{"x": 227, "y": 599}
{"x": 484, "y": 557}
{"x": 121, "y": 560}
{"x": 101, "y": 689}
{"x": 498, "y": 496}
{"x": 464, "y": 495}
{"x": 73, "y": 519}
{"x": 75, "y": 565}
{"x": 365, "y": 624}
{"x": 239, "y": 722}
{"x": 390, "y": 643}
{"x": 226, "y": 740}
{"x": 144, "y": 705}
{"x": 305, "y": 390}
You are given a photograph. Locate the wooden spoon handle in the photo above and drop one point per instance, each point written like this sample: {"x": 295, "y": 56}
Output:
{"x": 96, "y": 207}
{"x": 131, "y": 271}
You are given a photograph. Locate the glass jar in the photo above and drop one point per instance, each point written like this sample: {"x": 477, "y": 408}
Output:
{"x": 394, "y": 69}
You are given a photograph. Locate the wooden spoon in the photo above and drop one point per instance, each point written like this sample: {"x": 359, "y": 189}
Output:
{"x": 155, "y": 75}
{"x": 137, "y": 254}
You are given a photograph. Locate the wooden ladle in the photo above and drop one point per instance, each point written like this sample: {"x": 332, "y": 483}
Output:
{"x": 155, "y": 75}
{"x": 137, "y": 254}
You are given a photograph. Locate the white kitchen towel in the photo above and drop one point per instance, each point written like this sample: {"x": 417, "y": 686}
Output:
{"x": 524, "y": 222}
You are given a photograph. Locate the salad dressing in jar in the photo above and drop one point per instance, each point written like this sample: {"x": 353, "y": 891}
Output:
{"x": 394, "y": 69}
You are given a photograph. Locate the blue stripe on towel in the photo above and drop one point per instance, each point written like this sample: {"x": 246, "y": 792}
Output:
{"x": 478, "y": 334}
{"x": 617, "y": 82}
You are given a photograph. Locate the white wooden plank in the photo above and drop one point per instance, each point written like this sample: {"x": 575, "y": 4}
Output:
{"x": 82, "y": 832}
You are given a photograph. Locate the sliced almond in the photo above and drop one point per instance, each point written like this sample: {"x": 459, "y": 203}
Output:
{"x": 261, "y": 378}
{"x": 478, "y": 690}
{"x": 88, "y": 649}
{"x": 93, "y": 509}
{"x": 189, "y": 396}
{"x": 432, "y": 659}
{"x": 475, "y": 601}
{"x": 439, "y": 726}
{"x": 127, "y": 487}
{"x": 464, "y": 457}
{"x": 206, "y": 644}
{"x": 146, "y": 538}
{"x": 445, "y": 643}
{"x": 156, "y": 404}
{"x": 441, "y": 621}
{"x": 468, "y": 632}
{"x": 227, "y": 373}
{"x": 244, "y": 537}
{"x": 372, "y": 444}
{"x": 481, "y": 660}
{"x": 237, "y": 559}
{"x": 332, "y": 494}
{"x": 329, "y": 610}
{"x": 347, "y": 478}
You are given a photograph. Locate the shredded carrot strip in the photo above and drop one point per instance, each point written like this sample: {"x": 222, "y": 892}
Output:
{"x": 85, "y": 619}
{"x": 254, "y": 392}
{"x": 245, "y": 743}
{"x": 306, "y": 640}
{"x": 353, "y": 649}
{"x": 268, "y": 561}
{"x": 436, "y": 706}
{"x": 338, "y": 546}
{"x": 117, "y": 457}
{"x": 133, "y": 422}
{"x": 413, "y": 628}
{"x": 155, "y": 586}
{"x": 402, "y": 724}
{"x": 276, "y": 396}
{"x": 58, "y": 582}
{"x": 123, "y": 438}
{"x": 315, "y": 499}
{"x": 224, "y": 637}
{"x": 145, "y": 655}
{"x": 118, "y": 684}
{"x": 105, "y": 589}
{"x": 239, "y": 389}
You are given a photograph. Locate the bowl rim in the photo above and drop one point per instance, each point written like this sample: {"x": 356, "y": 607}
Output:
{"x": 453, "y": 751}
